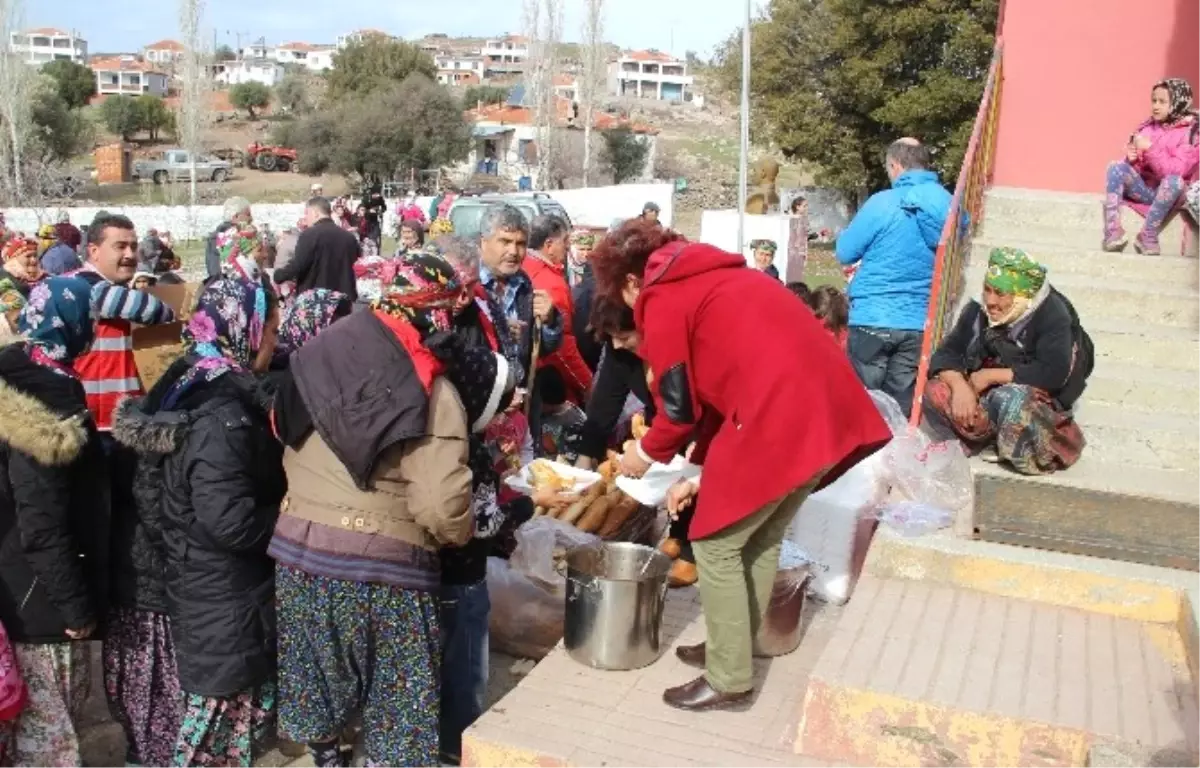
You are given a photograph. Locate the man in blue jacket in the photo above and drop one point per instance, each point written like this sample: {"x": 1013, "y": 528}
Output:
{"x": 892, "y": 239}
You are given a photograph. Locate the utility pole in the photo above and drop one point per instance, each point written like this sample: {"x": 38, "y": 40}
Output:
{"x": 744, "y": 159}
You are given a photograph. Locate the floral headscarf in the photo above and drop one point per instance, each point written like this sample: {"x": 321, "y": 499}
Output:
{"x": 57, "y": 321}
{"x": 1013, "y": 272}
{"x": 223, "y": 333}
{"x": 19, "y": 248}
{"x": 1179, "y": 91}
{"x": 440, "y": 227}
{"x": 423, "y": 291}
{"x": 310, "y": 313}
{"x": 237, "y": 246}
{"x": 10, "y": 296}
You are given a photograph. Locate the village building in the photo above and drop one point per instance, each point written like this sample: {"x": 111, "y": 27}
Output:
{"x": 43, "y": 44}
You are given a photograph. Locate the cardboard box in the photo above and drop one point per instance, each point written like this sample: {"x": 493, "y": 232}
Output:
{"x": 155, "y": 348}
{"x": 181, "y": 297}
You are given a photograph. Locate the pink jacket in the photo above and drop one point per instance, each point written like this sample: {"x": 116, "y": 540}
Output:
{"x": 1171, "y": 152}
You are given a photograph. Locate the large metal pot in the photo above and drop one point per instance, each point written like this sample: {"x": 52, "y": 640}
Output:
{"x": 614, "y": 608}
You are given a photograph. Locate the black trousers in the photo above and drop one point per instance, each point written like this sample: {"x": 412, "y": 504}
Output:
{"x": 679, "y": 530}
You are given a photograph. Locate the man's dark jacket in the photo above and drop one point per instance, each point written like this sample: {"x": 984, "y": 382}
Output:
{"x": 325, "y": 256}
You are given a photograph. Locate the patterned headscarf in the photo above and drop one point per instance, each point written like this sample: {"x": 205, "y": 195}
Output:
{"x": 585, "y": 240}
{"x": 764, "y": 245}
{"x": 1013, "y": 272}
{"x": 423, "y": 291}
{"x": 440, "y": 227}
{"x": 237, "y": 246}
{"x": 223, "y": 333}
{"x": 310, "y": 313}
{"x": 46, "y": 237}
{"x": 1179, "y": 91}
{"x": 19, "y": 248}
{"x": 10, "y": 296}
{"x": 57, "y": 321}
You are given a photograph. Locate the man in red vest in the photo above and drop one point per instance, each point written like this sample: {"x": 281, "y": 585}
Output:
{"x": 108, "y": 371}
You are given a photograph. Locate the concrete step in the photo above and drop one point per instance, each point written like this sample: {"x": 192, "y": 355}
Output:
{"x": 1158, "y": 440}
{"x": 1153, "y": 390}
{"x": 920, "y": 673}
{"x": 1128, "y": 268}
{"x": 1070, "y": 219}
{"x": 1148, "y": 347}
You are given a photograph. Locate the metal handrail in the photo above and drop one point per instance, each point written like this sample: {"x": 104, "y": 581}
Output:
{"x": 965, "y": 209}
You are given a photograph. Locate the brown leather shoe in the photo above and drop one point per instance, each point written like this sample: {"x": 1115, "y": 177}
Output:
{"x": 671, "y": 548}
{"x": 699, "y": 695}
{"x": 696, "y": 657}
{"x": 682, "y": 574}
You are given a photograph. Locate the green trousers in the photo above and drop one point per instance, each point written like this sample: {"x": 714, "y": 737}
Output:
{"x": 737, "y": 571}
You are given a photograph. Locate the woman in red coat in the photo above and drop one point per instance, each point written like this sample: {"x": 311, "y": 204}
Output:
{"x": 778, "y": 410}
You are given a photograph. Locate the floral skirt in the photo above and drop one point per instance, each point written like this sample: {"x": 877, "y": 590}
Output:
{"x": 224, "y": 730}
{"x": 58, "y": 677}
{"x": 1026, "y": 427}
{"x": 349, "y": 647}
{"x": 142, "y": 684}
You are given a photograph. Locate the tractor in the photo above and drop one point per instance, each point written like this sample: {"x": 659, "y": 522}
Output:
{"x": 270, "y": 158}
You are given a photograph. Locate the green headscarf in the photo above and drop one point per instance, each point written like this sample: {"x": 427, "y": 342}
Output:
{"x": 1011, "y": 271}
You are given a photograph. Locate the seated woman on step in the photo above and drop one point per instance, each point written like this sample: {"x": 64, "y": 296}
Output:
{"x": 1160, "y": 161}
{"x": 1005, "y": 378}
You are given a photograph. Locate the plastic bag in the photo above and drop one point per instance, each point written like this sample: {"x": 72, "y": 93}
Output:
{"x": 537, "y": 541}
{"x": 934, "y": 473}
{"x": 13, "y": 693}
{"x": 526, "y": 618}
{"x": 651, "y": 488}
{"x": 913, "y": 518}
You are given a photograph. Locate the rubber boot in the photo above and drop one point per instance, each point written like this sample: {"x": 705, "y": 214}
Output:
{"x": 1115, "y": 239}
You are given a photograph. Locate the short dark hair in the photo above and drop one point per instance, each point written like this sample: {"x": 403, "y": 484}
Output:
{"x": 651, "y": 206}
{"x": 545, "y": 227}
{"x": 609, "y": 317}
{"x": 908, "y": 155}
{"x": 104, "y": 221}
{"x": 551, "y": 386}
{"x": 801, "y": 290}
{"x": 321, "y": 204}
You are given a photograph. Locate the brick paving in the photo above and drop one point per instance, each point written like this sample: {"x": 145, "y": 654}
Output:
{"x": 569, "y": 714}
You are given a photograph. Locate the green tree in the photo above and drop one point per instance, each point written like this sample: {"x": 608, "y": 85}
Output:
{"x": 121, "y": 115}
{"x": 292, "y": 93}
{"x": 224, "y": 53}
{"x": 250, "y": 96}
{"x": 484, "y": 94}
{"x": 625, "y": 154}
{"x": 60, "y": 132}
{"x": 833, "y": 82}
{"x": 155, "y": 117}
{"x": 414, "y": 124}
{"x": 76, "y": 83}
{"x": 375, "y": 64}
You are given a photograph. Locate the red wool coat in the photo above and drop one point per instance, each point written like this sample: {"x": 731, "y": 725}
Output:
{"x": 567, "y": 359}
{"x": 734, "y": 353}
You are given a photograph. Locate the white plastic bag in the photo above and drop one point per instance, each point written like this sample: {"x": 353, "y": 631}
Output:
{"x": 913, "y": 518}
{"x": 934, "y": 473}
{"x": 651, "y": 488}
{"x": 583, "y": 478}
{"x": 537, "y": 540}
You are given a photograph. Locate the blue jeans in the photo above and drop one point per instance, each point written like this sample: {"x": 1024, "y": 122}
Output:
{"x": 465, "y": 611}
{"x": 886, "y": 360}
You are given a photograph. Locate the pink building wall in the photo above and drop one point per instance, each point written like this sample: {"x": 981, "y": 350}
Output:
{"x": 1077, "y": 78}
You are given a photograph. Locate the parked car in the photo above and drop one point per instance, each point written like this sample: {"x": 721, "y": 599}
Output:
{"x": 176, "y": 165}
{"x": 466, "y": 212}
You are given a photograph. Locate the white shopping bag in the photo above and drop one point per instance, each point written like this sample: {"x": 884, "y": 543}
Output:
{"x": 651, "y": 488}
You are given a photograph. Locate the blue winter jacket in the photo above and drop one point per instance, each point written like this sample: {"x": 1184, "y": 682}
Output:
{"x": 895, "y": 235}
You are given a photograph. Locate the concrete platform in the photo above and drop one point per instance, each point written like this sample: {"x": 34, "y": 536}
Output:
{"x": 564, "y": 713}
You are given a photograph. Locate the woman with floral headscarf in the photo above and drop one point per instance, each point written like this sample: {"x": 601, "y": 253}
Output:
{"x": 12, "y": 301}
{"x": 307, "y": 315}
{"x": 1160, "y": 161}
{"x": 54, "y": 522}
{"x": 21, "y": 264}
{"x": 1005, "y": 378}
{"x": 379, "y": 481}
{"x": 216, "y": 479}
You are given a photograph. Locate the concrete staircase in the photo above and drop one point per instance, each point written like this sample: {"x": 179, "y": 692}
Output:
{"x": 1134, "y": 493}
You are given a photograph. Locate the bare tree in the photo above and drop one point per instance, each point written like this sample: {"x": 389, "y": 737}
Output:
{"x": 16, "y": 106}
{"x": 593, "y": 64}
{"x": 543, "y": 20}
{"x": 191, "y": 107}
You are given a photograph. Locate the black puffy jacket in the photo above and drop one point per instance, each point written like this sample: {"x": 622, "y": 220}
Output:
{"x": 221, "y": 493}
{"x": 53, "y": 504}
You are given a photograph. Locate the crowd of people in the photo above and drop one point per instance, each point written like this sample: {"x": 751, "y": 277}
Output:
{"x": 288, "y": 529}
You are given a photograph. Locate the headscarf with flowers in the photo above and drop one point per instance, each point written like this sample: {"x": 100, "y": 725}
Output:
{"x": 308, "y": 314}
{"x": 19, "y": 248}
{"x": 440, "y": 227}
{"x": 223, "y": 333}
{"x": 57, "y": 321}
{"x": 237, "y": 246}
{"x": 46, "y": 237}
{"x": 11, "y": 296}
{"x": 1179, "y": 91}
{"x": 423, "y": 291}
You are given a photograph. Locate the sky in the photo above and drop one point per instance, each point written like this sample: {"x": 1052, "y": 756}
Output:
{"x": 676, "y": 26}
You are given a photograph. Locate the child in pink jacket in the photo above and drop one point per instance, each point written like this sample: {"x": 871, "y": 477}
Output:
{"x": 1160, "y": 161}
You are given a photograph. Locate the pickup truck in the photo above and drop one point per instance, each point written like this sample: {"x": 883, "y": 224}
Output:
{"x": 176, "y": 165}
